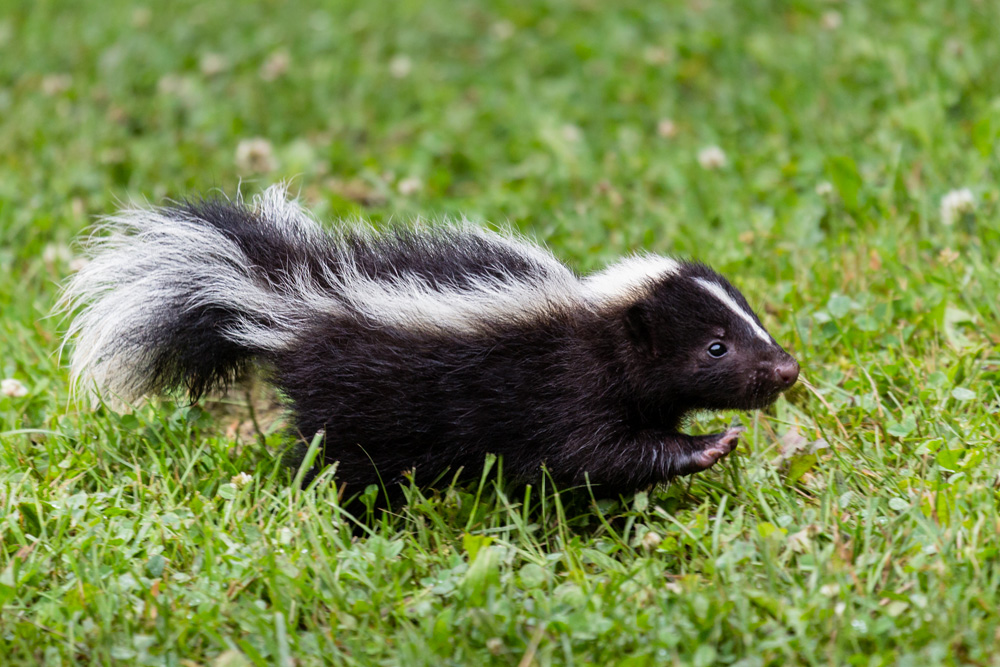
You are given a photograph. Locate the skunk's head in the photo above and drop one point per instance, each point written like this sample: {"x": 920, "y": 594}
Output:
{"x": 695, "y": 342}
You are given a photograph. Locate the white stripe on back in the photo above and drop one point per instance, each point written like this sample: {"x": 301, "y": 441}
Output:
{"x": 628, "y": 279}
{"x": 719, "y": 293}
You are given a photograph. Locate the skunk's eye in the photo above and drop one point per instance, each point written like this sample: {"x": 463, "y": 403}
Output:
{"x": 717, "y": 350}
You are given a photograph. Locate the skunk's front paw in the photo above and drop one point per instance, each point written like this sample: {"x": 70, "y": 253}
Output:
{"x": 718, "y": 448}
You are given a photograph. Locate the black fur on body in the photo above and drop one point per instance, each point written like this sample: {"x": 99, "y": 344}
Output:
{"x": 423, "y": 349}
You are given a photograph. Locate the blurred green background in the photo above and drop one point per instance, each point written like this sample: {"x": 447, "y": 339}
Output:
{"x": 806, "y": 149}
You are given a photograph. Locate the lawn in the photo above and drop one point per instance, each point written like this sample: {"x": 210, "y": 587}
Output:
{"x": 857, "y": 524}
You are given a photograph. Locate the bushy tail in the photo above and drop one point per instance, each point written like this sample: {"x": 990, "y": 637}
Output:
{"x": 188, "y": 295}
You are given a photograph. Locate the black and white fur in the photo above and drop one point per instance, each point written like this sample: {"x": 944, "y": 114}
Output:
{"x": 424, "y": 348}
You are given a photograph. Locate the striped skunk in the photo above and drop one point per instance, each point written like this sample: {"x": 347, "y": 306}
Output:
{"x": 423, "y": 348}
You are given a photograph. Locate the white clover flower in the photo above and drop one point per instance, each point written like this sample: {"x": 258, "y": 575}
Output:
{"x": 177, "y": 85}
{"x": 400, "y": 67}
{"x": 276, "y": 65}
{"x": 800, "y": 541}
{"x": 241, "y": 480}
{"x": 56, "y": 252}
{"x": 502, "y": 30}
{"x": 169, "y": 84}
{"x": 832, "y": 20}
{"x": 824, "y": 188}
{"x": 213, "y": 64}
{"x": 711, "y": 157}
{"x": 955, "y": 204}
{"x": 651, "y": 540}
{"x": 54, "y": 84}
{"x": 571, "y": 133}
{"x": 255, "y": 155}
{"x": 13, "y": 388}
{"x": 409, "y": 186}
{"x": 666, "y": 128}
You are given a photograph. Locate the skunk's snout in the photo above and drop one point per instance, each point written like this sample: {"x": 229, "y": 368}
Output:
{"x": 786, "y": 373}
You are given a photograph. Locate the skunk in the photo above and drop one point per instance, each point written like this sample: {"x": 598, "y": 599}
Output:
{"x": 422, "y": 348}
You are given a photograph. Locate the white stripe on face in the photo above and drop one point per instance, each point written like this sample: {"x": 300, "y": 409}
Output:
{"x": 719, "y": 293}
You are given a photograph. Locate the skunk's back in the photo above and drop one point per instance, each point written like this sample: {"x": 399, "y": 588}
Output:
{"x": 189, "y": 295}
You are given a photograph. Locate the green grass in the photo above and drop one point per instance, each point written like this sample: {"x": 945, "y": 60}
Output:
{"x": 859, "y": 523}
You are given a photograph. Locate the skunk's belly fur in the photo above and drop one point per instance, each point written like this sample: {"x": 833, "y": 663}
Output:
{"x": 421, "y": 349}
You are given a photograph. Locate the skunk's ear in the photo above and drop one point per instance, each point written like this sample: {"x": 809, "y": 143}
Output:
{"x": 639, "y": 330}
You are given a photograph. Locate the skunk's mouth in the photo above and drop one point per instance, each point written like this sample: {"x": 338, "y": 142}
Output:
{"x": 762, "y": 396}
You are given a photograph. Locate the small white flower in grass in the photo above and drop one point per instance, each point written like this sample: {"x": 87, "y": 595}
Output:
{"x": 255, "y": 155}
{"x": 955, "y": 204}
{"x": 666, "y": 128}
{"x": 711, "y": 157}
{"x": 494, "y": 645}
{"x": 176, "y": 85}
{"x": 13, "y": 388}
{"x": 409, "y": 186}
{"x": 400, "y": 67}
{"x": 54, "y": 84}
{"x": 213, "y": 64}
{"x": 56, "y": 252}
{"x": 276, "y": 65}
{"x": 799, "y": 541}
{"x": 651, "y": 540}
{"x": 831, "y": 20}
{"x": 502, "y": 30}
{"x": 572, "y": 133}
{"x": 824, "y": 188}
{"x": 241, "y": 480}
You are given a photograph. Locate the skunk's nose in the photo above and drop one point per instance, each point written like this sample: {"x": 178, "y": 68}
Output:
{"x": 786, "y": 373}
